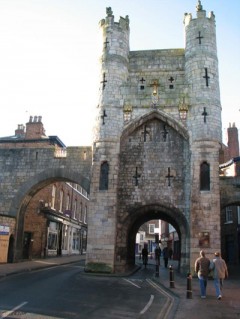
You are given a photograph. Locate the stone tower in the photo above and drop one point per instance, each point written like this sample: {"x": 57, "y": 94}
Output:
{"x": 156, "y": 144}
{"x": 204, "y": 126}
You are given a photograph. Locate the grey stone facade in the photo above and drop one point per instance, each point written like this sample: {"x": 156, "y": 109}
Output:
{"x": 154, "y": 156}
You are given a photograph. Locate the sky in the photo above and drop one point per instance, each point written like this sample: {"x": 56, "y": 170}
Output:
{"x": 49, "y": 53}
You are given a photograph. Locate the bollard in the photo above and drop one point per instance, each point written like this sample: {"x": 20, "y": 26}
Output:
{"x": 171, "y": 277}
{"x": 157, "y": 268}
{"x": 189, "y": 286}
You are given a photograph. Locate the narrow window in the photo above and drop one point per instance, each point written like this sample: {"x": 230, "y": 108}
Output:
{"x": 53, "y": 197}
{"x": 68, "y": 202}
{"x": 205, "y": 177}
{"x": 85, "y": 215}
{"x": 61, "y": 201}
{"x": 103, "y": 184}
{"x": 74, "y": 208}
{"x": 229, "y": 214}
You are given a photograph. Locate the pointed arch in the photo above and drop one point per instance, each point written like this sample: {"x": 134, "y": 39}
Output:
{"x": 155, "y": 114}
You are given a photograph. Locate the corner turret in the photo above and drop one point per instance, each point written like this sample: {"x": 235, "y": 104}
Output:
{"x": 202, "y": 75}
{"x": 114, "y": 62}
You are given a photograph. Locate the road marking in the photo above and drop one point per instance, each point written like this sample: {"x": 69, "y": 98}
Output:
{"x": 168, "y": 305}
{"x": 129, "y": 281}
{"x": 148, "y": 305}
{"x": 7, "y": 313}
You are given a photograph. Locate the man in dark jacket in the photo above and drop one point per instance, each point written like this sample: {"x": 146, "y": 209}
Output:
{"x": 202, "y": 269}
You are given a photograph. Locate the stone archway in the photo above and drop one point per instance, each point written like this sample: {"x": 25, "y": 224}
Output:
{"x": 128, "y": 227}
{"x": 29, "y": 189}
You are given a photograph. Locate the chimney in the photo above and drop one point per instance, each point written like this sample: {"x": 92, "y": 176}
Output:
{"x": 233, "y": 143}
{"x": 20, "y": 131}
{"x": 34, "y": 128}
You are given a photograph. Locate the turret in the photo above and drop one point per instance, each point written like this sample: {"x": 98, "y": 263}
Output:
{"x": 113, "y": 74}
{"x": 202, "y": 77}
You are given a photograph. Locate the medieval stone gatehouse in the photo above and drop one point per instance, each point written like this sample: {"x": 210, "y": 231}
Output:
{"x": 156, "y": 144}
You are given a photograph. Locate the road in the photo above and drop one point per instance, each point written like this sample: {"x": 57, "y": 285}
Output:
{"x": 68, "y": 292}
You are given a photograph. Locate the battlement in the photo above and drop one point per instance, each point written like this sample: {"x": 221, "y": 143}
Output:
{"x": 109, "y": 21}
{"x": 201, "y": 14}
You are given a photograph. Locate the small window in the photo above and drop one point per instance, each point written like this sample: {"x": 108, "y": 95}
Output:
{"x": 103, "y": 184}
{"x": 205, "y": 177}
{"x": 151, "y": 229}
{"x": 229, "y": 214}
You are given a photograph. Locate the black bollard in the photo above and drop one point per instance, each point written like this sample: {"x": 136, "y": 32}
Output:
{"x": 171, "y": 277}
{"x": 189, "y": 286}
{"x": 157, "y": 268}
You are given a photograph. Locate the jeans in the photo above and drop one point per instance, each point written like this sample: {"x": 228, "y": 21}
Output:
{"x": 217, "y": 286}
{"x": 203, "y": 285}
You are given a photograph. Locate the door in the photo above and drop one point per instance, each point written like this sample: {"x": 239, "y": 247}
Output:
{"x": 26, "y": 244}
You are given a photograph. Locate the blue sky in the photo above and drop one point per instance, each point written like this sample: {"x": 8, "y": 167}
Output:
{"x": 49, "y": 52}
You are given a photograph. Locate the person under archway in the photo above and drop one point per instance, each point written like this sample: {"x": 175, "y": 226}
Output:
{"x": 165, "y": 256}
{"x": 145, "y": 256}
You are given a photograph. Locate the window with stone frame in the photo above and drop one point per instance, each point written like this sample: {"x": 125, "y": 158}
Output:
{"x": 104, "y": 170}
{"x": 229, "y": 214}
{"x": 204, "y": 177}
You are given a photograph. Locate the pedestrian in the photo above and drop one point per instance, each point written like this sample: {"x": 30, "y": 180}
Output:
{"x": 220, "y": 272}
{"x": 145, "y": 256}
{"x": 158, "y": 253}
{"x": 165, "y": 256}
{"x": 202, "y": 265}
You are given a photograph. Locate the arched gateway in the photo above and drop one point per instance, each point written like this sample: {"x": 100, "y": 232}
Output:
{"x": 155, "y": 152}
{"x": 156, "y": 144}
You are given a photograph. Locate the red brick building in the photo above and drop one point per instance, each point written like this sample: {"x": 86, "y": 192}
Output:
{"x": 55, "y": 221}
{"x": 230, "y": 215}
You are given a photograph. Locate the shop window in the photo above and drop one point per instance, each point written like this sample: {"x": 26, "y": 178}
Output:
{"x": 52, "y": 241}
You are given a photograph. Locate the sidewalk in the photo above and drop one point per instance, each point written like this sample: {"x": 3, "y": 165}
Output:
{"x": 194, "y": 308}
{"x": 210, "y": 308}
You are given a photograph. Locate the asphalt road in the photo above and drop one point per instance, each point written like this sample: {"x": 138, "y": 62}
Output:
{"x": 68, "y": 292}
